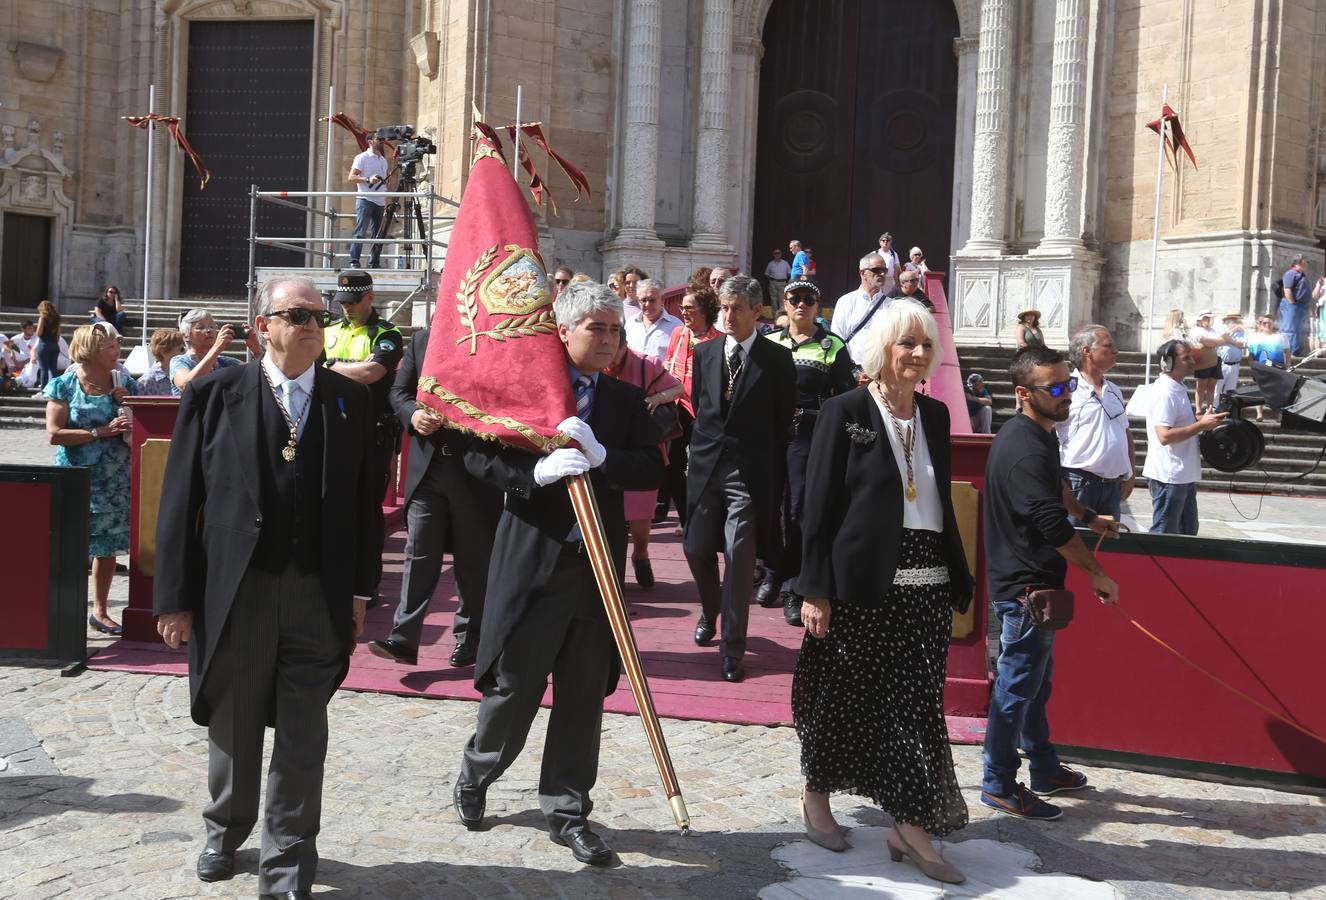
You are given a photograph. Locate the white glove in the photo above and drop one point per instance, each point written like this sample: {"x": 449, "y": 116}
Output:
{"x": 580, "y": 432}
{"x": 558, "y": 465}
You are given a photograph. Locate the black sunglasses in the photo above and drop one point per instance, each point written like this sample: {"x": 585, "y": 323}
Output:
{"x": 298, "y": 316}
{"x": 802, "y": 299}
{"x": 562, "y": 281}
{"x": 1055, "y": 390}
{"x": 878, "y": 270}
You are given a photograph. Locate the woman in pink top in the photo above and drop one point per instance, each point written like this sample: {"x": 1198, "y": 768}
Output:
{"x": 648, "y": 374}
{"x": 699, "y": 312}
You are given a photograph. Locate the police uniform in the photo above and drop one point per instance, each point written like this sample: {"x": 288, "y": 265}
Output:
{"x": 824, "y": 368}
{"x": 377, "y": 340}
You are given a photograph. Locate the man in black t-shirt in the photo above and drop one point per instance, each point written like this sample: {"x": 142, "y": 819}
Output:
{"x": 1028, "y": 545}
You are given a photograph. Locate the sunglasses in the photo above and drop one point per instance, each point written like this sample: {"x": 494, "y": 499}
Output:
{"x": 562, "y": 281}
{"x": 801, "y": 300}
{"x": 1055, "y": 390}
{"x": 908, "y": 281}
{"x": 298, "y": 316}
{"x": 878, "y": 270}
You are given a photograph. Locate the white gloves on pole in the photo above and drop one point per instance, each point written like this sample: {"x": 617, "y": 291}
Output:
{"x": 582, "y": 434}
{"x": 558, "y": 465}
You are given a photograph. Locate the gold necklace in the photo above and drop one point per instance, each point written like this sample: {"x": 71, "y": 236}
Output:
{"x": 290, "y": 450}
{"x": 906, "y": 438}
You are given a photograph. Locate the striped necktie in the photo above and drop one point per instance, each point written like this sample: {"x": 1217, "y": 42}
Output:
{"x": 584, "y": 397}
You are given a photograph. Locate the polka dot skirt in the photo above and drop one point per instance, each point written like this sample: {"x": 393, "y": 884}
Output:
{"x": 868, "y": 697}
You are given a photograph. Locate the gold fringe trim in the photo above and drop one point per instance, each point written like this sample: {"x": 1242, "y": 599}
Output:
{"x": 547, "y": 445}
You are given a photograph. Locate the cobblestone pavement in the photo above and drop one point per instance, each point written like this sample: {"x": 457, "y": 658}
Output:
{"x": 106, "y": 782}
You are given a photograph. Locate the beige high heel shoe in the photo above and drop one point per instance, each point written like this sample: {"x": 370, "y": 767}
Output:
{"x": 940, "y": 871}
{"x": 829, "y": 840}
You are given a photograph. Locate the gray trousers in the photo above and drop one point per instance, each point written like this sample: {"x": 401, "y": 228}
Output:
{"x": 278, "y": 658}
{"x": 565, "y": 634}
{"x": 724, "y": 521}
{"x": 447, "y": 503}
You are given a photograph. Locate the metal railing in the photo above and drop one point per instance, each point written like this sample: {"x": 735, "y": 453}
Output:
{"x": 322, "y": 247}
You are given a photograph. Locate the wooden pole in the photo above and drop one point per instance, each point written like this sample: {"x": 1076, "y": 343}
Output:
{"x": 605, "y": 573}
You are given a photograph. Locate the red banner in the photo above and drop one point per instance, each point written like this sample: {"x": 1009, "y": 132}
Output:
{"x": 1174, "y": 136}
{"x": 173, "y": 124}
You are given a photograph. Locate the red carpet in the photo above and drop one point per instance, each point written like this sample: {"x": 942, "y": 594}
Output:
{"x": 684, "y": 678}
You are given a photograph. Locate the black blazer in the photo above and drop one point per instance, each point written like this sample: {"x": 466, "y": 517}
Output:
{"x": 852, "y": 526}
{"x": 404, "y": 401}
{"x": 210, "y": 518}
{"x": 756, "y": 426}
{"x": 536, "y": 520}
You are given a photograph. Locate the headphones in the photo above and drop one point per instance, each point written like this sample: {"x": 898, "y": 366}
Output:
{"x": 1169, "y": 355}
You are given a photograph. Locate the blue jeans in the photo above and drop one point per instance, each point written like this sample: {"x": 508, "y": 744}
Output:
{"x": 48, "y": 360}
{"x": 1173, "y": 508}
{"x": 1104, "y": 498}
{"x": 368, "y": 215}
{"x": 1017, "y": 704}
{"x": 1293, "y": 318}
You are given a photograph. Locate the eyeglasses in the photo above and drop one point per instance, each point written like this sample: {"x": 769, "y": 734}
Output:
{"x": 1055, "y": 390}
{"x": 687, "y": 309}
{"x": 298, "y": 316}
{"x": 878, "y": 270}
{"x": 801, "y": 300}
{"x": 907, "y": 281}
{"x": 562, "y": 281}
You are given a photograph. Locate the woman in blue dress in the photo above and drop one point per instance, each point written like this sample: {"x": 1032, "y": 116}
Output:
{"x": 86, "y": 424}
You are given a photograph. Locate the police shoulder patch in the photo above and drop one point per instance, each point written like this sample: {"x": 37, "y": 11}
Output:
{"x": 386, "y": 345}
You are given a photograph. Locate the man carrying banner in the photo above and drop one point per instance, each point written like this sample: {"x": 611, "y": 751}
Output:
{"x": 543, "y": 612}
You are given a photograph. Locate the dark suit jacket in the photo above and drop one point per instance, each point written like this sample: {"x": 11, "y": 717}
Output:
{"x": 210, "y": 517}
{"x": 536, "y": 520}
{"x": 756, "y": 426}
{"x": 852, "y": 525}
{"x": 404, "y": 400}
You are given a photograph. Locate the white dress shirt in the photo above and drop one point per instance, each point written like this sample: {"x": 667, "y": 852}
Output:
{"x": 301, "y": 396}
{"x": 1094, "y": 437}
{"x": 729, "y": 342}
{"x": 651, "y": 338}
{"x": 924, "y": 513}
{"x": 850, "y": 309}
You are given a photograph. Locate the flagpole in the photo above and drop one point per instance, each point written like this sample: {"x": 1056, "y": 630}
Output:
{"x": 326, "y": 175}
{"x": 147, "y": 222}
{"x": 515, "y": 156}
{"x": 1155, "y": 236}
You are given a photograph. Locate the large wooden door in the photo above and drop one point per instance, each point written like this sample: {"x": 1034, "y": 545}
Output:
{"x": 249, "y": 109}
{"x": 857, "y": 110}
{"x": 25, "y": 261}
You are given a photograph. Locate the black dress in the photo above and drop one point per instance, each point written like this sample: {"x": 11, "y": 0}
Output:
{"x": 867, "y": 698}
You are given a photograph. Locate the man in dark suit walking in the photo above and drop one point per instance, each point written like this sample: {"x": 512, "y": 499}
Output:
{"x": 264, "y": 565}
{"x": 744, "y": 390}
{"x": 544, "y": 615}
{"x": 444, "y": 505}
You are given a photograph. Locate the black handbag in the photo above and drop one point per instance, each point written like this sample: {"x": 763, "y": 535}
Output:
{"x": 1048, "y": 609}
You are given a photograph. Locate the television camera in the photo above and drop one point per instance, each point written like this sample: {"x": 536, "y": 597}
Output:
{"x": 1237, "y": 444}
{"x": 410, "y": 149}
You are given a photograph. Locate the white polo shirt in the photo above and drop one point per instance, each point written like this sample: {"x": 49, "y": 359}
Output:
{"x": 1094, "y": 437}
{"x": 1168, "y": 403}
{"x": 369, "y": 164}
{"x": 651, "y": 338}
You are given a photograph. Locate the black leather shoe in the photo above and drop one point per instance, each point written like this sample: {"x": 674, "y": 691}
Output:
{"x": 394, "y": 650}
{"x": 586, "y": 846}
{"x": 792, "y": 609}
{"x": 767, "y": 595}
{"x": 644, "y": 573}
{"x": 732, "y": 670}
{"x": 704, "y": 632}
{"x": 469, "y": 802}
{"x": 288, "y": 895}
{"x": 213, "y": 865}
{"x": 464, "y": 654}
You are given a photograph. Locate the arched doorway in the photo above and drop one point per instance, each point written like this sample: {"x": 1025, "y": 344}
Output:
{"x": 857, "y": 112}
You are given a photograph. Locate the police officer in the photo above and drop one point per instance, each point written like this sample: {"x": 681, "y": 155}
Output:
{"x": 824, "y": 368}
{"x": 365, "y": 347}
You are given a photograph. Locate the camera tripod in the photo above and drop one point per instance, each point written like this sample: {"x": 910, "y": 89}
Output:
{"x": 413, "y": 217}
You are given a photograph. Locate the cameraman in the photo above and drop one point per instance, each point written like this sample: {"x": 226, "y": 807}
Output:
{"x": 367, "y": 348}
{"x": 369, "y": 173}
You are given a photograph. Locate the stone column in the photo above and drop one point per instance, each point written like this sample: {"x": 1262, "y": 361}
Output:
{"x": 1068, "y": 108}
{"x": 709, "y": 227}
{"x": 639, "y": 174}
{"x": 989, "y": 188}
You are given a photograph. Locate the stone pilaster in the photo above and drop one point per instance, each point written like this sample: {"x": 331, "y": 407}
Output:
{"x": 1063, "y": 189}
{"x": 989, "y": 188}
{"x": 709, "y": 228}
{"x": 640, "y": 137}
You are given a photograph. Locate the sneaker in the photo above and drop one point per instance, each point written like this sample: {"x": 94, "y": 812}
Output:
{"x": 1060, "y": 782}
{"x": 1022, "y": 804}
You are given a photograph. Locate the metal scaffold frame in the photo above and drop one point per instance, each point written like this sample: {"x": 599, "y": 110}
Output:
{"x": 308, "y": 244}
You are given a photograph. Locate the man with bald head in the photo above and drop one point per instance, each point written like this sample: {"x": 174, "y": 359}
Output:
{"x": 269, "y": 586}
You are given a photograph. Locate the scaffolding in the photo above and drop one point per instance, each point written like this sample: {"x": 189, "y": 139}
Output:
{"x": 412, "y": 272}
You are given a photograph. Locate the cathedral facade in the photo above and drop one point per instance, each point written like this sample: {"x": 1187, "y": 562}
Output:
{"x": 1006, "y": 138}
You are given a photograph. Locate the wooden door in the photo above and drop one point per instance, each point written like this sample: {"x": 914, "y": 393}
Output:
{"x": 249, "y": 110}
{"x": 856, "y": 131}
{"x": 25, "y": 261}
